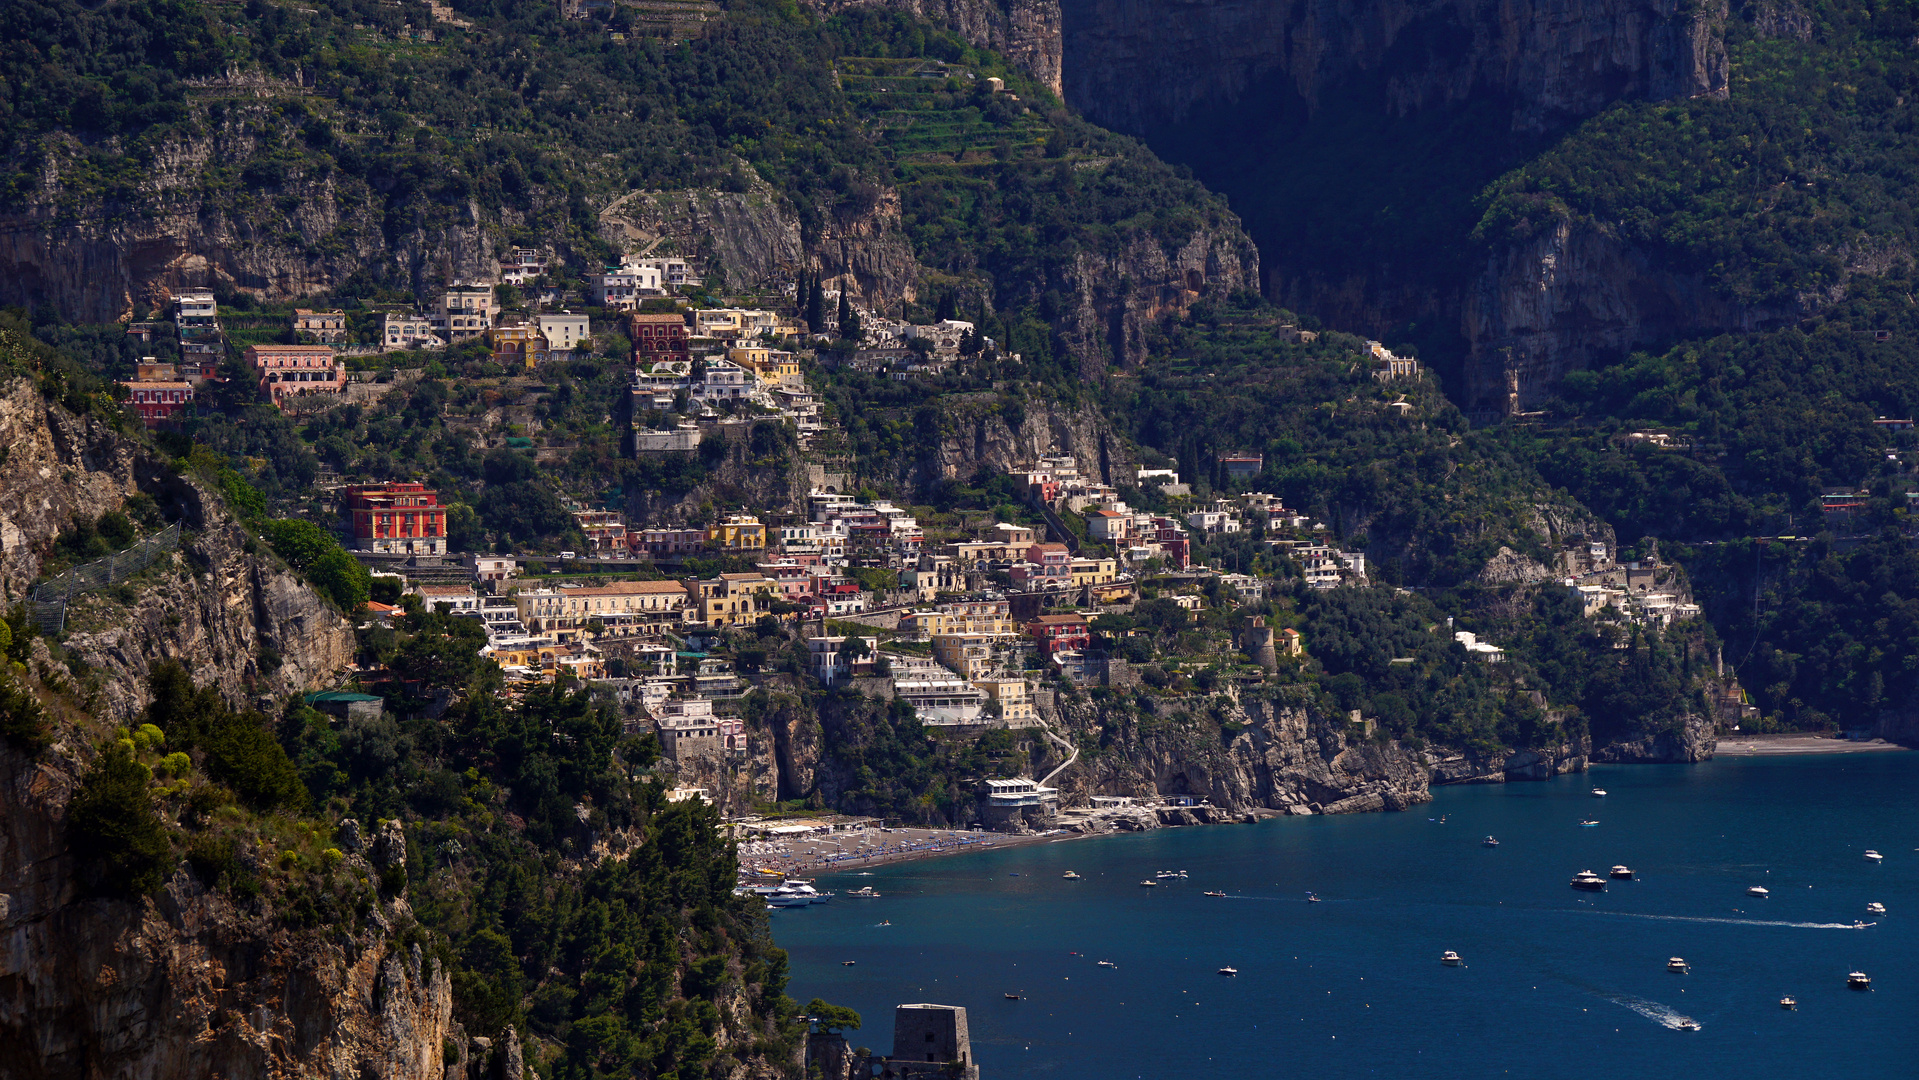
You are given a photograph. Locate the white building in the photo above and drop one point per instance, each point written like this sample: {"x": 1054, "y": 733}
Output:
{"x": 464, "y": 311}
{"x": 407, "y": 332}
{"x": 623, "y": 289}
{"x": 941, "y": 702}
{"x": 564, "y": 331}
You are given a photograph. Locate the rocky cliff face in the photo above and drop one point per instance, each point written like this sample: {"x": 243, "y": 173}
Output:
{"x": 1140, "y": 65}
{"x": 96, "y": 258}
{"x": 1269, "y": 754}
{"x": 190, "y": 983}
{"x": 1025, "y": 31}
{"x": 753, "y": 240}
{"x": 988, "y": 431}
{"x": 234, "y": 615}
{"x": 1117, "y": 295}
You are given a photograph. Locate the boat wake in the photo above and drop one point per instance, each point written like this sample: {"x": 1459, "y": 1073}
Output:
{"x": 1738, "y": 922}
{"x": 1663, "y": 1015}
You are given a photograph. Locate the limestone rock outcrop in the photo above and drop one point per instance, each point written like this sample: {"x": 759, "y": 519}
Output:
{"x": 189, "y": 983}
{"x": 1694, "y": 741}
{"x": 237, "y": 617}
{"x": 1269, "y": 754}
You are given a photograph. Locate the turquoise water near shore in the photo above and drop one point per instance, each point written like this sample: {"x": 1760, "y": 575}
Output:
{"x": 1556, "y": 982}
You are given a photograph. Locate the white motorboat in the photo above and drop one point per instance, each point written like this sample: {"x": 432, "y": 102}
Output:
{"x": 1758, "y": 891}
{"x": 1858, "y": 980}
{"x": 1689, "y": 1025}
{"x": 1678, "y": 966}
{"x": 1451, "y": 959}
{"x": 823, "y": 897}
{"x": 1621, "y": 873}
{"x": 1229, "y": 971}
{"x": 1490, "y": 841}
{"x": 788, "y": 900}
{"x": 1599, "y": 793}
{"x": 865, "y": 892}
{"x": 1874, "y": 856}
{"x": 1149, "y": 883}
{"x": 1875, "y": 908}
{"x": 1788, "y": 1003}
{"x": 1211, "y": 892}
{"x": 1588, "y": 881}
{"x": 1106, "y": 963}
{"x": 1165, "y": 874}
{"x": 1070, "y": 875}
{"x": 1587, "y": 824}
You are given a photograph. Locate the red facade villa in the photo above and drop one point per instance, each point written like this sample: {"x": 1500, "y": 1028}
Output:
{"x": 397, "y": 519}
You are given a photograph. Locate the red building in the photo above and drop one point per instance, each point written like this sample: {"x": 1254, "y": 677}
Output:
{"x": 400, "y": 519}
{"x": 159, "y": 401}
{"x": 292, "y": 370}
{"x": 1057, "y": 632}
{"x": 658, "y": 338}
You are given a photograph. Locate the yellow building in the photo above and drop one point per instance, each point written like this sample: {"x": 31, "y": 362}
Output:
{"x": 961, "y": 617}
{"x": 1094, "y": 572}
{"x": 732, "y": 599}
{"x": 775, "y": 367}
{"x": 547, "y": 659}
{"x": 522, "y": 344}
{"x": 1012, "y": 700}
{"x": 738, "y": 532}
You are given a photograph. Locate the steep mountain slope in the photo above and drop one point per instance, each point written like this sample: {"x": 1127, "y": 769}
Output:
{"x": 181, "y": 896}
{"x": 290, "y": 150}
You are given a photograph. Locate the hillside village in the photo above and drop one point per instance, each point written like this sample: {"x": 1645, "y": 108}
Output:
{"x": 970, "y": 623}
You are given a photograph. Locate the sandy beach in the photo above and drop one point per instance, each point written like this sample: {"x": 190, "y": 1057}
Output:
{"x": 1770, "y": 745}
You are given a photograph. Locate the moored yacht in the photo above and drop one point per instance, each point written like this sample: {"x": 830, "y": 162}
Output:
{"x": 1229, "y": 971}
{"x": 1621, "y": 873}
{"x": 1875, "y": 908}
{"x": 1149, "y": 883}
{"x": 1490, "y": 841}
{"x": 788, "y": 900}
{"x": 1858, "y": 980}
{"x": 865, "y": 892}
{"x": 1070, "y": 875}
{"x": 1599, "y": 793}
{"x": 1451, "y": 959}
{"x": 1589, "y": 881}
{"x": 1678, "y": 966}
{"x": 1788, "y": 1002}
{"x": 1758, "y": 891}
{"x": 1873, "y": 855}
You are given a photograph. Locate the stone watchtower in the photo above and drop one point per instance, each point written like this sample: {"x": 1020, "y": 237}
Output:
{"x": 1257, "y": 640}
{"x": 928, "y": 1040}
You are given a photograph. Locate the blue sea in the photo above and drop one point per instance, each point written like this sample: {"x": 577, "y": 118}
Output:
{"x": 1556, "y": 982}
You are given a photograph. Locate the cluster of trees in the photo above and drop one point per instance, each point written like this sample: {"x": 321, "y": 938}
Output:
{"x": 1428, "y": 498}
{"x": 630, "y": 966}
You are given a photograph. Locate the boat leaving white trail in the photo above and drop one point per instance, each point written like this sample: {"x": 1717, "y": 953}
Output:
{"x": 1663, "y": 1015}
{"x": 1731, "y": 922}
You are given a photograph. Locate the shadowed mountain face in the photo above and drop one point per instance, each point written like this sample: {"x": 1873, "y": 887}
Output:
{"x": 1355, "y": 139}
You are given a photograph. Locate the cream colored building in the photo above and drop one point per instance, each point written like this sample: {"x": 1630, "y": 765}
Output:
{"x": 622, "y": 608}
{"x": 961, "y": 617}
